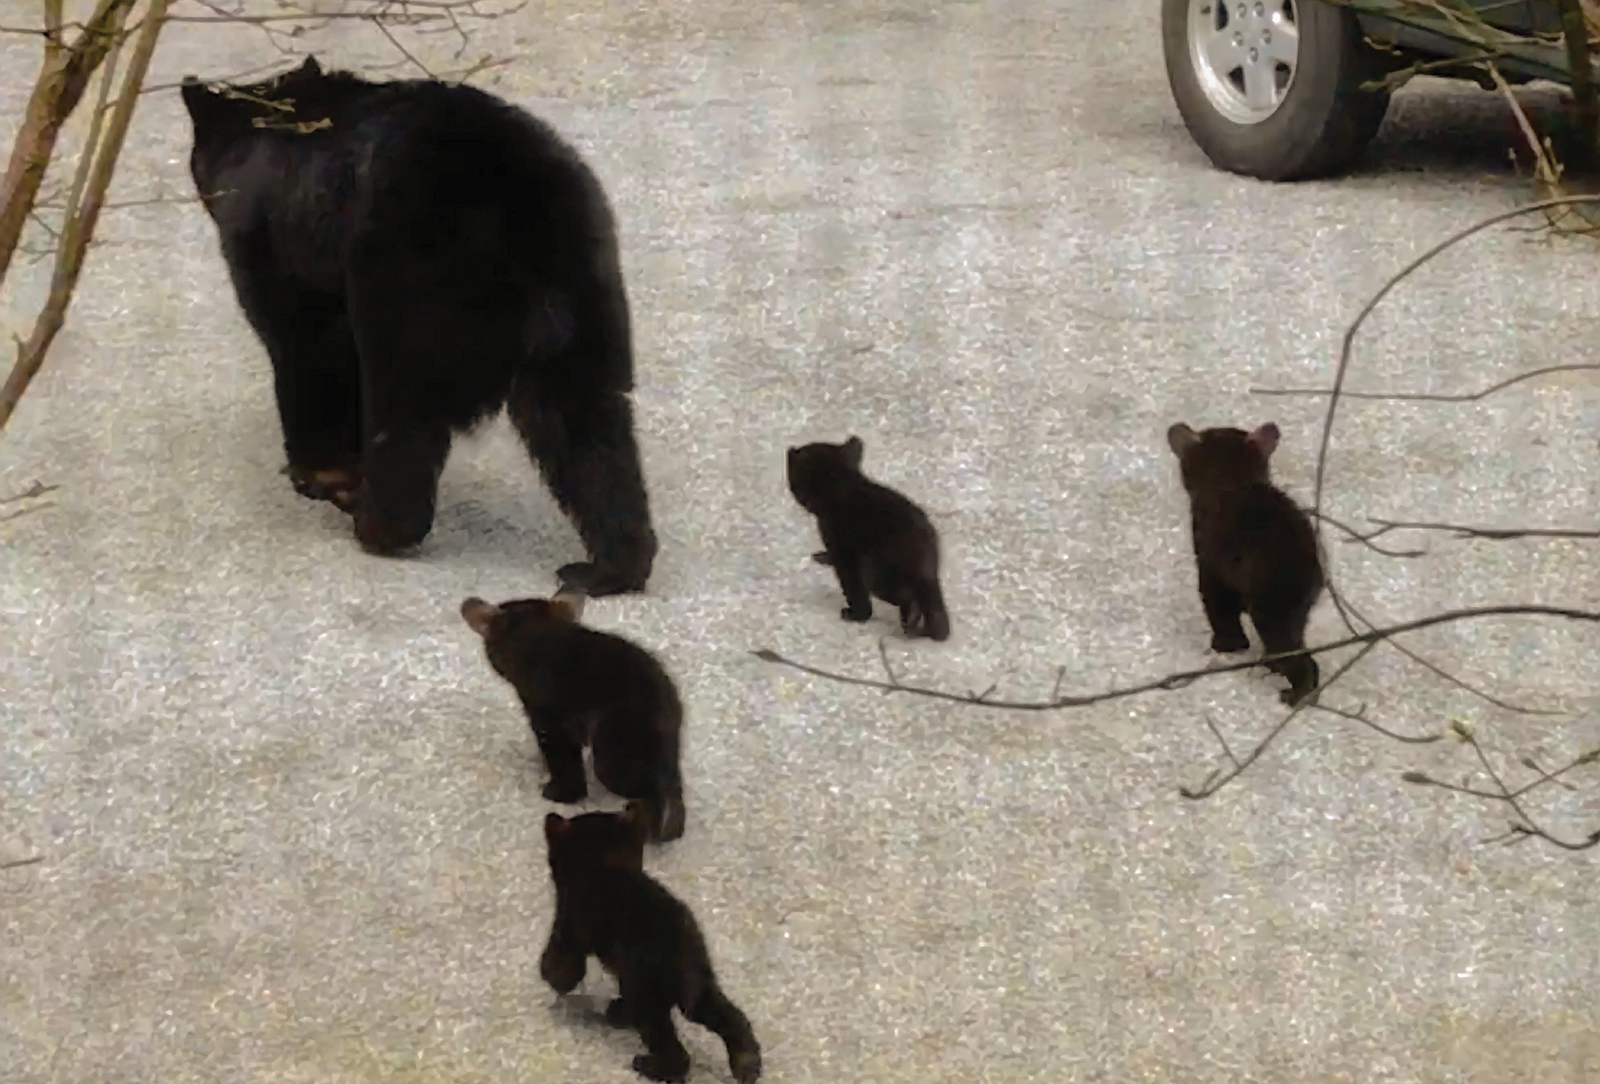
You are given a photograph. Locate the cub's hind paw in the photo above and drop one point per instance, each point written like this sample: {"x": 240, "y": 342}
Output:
{"x": 649, "y": 1067}
{"x": 1293, "y": 697}
{"x": 566, "y": 792}
{"x": 823, "y": 557}
{"x": 1231, "y": 644}
{"x": 857, "y": 616}
{"x": 746, "y": 1066}
{"x": 618, "y": 1015}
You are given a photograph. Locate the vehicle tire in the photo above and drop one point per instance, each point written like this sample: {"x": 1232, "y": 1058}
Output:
{"x": 1277, "y": 93}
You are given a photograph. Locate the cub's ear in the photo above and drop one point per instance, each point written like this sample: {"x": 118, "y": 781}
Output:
{"x": 555, "y": 826}
{"x": 567, "y": 604}
{"x": 1180, "y": 438}
{"x": 479, "y": 614}
{"x": 310, "y": 67}
{"x": 1265, "y": 439}
{"x": 637, "y": 817}
{"x": 854, "y": 450}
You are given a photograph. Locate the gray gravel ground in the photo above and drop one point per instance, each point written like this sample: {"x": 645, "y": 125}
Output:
{"x": 289, "y": 820}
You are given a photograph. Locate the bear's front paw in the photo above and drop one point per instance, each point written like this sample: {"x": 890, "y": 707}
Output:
{"x": 618, "y": 1015}
{"x": 597, "y": 580}
{"x": 851, "y": 614}
{"x": 651, "y": 1068}
{"x": 386, "y": 537}
{"x": 336, "y": 485}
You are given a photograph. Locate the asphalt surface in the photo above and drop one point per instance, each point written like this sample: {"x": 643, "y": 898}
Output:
{"x": 288, "y": 822}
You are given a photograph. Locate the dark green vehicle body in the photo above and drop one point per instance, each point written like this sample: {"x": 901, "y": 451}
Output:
{"x": 1286, "y": 90}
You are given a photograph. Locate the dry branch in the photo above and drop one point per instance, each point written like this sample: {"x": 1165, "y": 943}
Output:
{"x": 60, "y": 86}
{"x": 96, "y": 166}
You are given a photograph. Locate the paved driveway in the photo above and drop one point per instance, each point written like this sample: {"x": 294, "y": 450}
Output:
{"x": 289, "y": 820}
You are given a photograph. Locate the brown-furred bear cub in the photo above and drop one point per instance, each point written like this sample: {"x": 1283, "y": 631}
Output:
{"x": 1255, "y": 549}
{"x": 581, "y": 686}
{"x": 607, "y": 906}
{"x": 878, "y": 542}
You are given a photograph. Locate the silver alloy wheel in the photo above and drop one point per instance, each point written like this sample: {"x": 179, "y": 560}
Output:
{"x": 1244, "y": 54}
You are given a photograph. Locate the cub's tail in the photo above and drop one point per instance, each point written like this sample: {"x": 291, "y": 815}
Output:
{"x": 930, "y": 600}
{"x": 670, "y": 815}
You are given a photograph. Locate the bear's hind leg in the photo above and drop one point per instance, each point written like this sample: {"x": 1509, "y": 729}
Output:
{"x": 583, "y": 442}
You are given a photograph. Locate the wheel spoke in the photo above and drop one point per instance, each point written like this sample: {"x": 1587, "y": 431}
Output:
{"x": 1285, "y": 44}
{"x": 1260, "y": 86}
{"x": 1221, "y": 52}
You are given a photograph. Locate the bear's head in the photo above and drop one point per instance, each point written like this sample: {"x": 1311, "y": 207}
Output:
{"x": 224, "y": 115}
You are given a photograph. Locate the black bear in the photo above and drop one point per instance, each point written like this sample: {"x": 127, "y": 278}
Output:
{"x": 414, "y": 255}
{"x": 1255, "y": 550}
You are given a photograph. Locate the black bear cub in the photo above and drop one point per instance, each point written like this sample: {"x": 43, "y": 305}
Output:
{"x": 1255, "y": 549}
{"x": 414, "y": 255}
{"x": 878, "y": 542}
{"x": 580, "y": 686}
{"x": 607, "y": 906}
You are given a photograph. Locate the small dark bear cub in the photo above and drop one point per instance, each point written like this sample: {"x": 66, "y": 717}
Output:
{"x": 414, "y": 255}
{"x": 878, "y": 542}
{"x": 579, "y": 687}
{"x": 607, "y": 906}
{"x": 1255, "y": 548}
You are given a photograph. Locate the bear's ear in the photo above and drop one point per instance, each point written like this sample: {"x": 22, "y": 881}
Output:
{"x": 555, "y": 826}
{"x": 195, "y": 96}
{"x": 1265, "y": 439}
{"x": 567, "y": 604}
{"x": 1180, "y": 438}
{"x": 310, "y": 67}
{"x": 478, "y": 614}
{"x": 853, "y": 451}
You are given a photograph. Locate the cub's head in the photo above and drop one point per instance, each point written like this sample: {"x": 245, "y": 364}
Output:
{"x": 226, "y": 115}
{"x": 813, "y": 466}
{"x": 1220, "y": 458}
{"x": 594, "y": 840}
{"x": 504, "y": 624}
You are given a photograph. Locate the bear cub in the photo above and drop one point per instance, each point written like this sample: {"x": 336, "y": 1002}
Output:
{"x": 878, "y": 542}
{"x": 1255, "y": 549}
{"x": 582, "y": 687}
{"x": 607, "y": 906}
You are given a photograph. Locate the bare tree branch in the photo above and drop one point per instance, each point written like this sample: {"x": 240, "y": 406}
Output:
{"x": 1498, "y": 534}
{"x": 1182, "y": 678}
{"x": 79, "y": 228}
{"x": 1466, "y": 397}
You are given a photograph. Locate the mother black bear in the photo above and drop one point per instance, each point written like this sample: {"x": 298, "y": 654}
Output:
{"x": 414, "y": 255}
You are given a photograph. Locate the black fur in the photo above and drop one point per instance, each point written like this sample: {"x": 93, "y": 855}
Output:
{"x": 580, "y": 686}
{"x": 1255, "y": 549}
{"x": 878, "y": 542}
{"x": 607, "y": 906}
{"x": 414, "y": 255}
